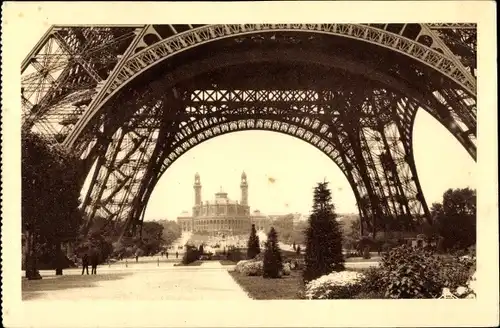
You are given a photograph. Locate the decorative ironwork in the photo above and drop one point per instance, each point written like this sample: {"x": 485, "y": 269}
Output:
{"x": 73, "y": 94}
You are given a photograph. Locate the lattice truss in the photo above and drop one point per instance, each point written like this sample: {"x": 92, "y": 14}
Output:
{"x": 63, "y": 72}
{"x": 363, "y": 140}
{"x": 74, "y": 71}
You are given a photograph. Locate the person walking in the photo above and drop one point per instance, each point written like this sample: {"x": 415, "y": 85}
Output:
{"x": 166, "y": 254}
{"x": 94, "y": 260}
{"x": 85, "y": 263}
{"x": 177, "y": 255}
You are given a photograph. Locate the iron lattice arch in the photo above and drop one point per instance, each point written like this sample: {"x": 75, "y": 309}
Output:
{"x": 131, "y": 100}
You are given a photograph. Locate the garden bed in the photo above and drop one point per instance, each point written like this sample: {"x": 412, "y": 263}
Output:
{"x": 258, "y": 288}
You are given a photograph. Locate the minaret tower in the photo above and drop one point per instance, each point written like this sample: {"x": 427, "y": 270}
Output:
{"x": 244, "y": 189}
{"x": 197, "y": 190}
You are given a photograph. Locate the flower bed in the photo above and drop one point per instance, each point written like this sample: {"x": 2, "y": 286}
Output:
{"x": 336, "y": 285}
{"x": 249, "y": 267}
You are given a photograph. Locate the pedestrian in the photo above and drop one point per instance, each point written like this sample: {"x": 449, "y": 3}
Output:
{"x": 136, "y": 258}
{"x": 166, "y": 254}
{"x": 176, "y": 254}
{"x": 85, "y": 263}
{"x": 94, "y": 260}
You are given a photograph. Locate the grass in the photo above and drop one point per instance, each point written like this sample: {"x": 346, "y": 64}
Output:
{"x": 195, "y": 263}
{"x": 227, "y": 262}
{"x": 258, "y": 288}
{"x": 375, "y": 258}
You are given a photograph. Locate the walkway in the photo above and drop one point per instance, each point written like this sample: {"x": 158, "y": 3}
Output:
{"x": 144, "y": 281}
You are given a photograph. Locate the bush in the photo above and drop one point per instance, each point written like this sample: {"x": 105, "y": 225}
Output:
{"x": 191, "y": 255}
{"x": 336, "y": 285}
{"x": 365, "y": 242}
{"x": 456, "y": 271}
{"x": 373, "y": 282}
{"x": 287, "y": 270}
{"x": 411, "y": 273}
{"x": 252, "y": 268}
{"x": 369, "y": 295}
{"x": 234, "y": 254}
{"x": 240, "y": 264}
{"x": 407, "y": 272}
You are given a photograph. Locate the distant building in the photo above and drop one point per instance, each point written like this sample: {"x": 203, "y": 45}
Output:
{"x": 222, "y": 215}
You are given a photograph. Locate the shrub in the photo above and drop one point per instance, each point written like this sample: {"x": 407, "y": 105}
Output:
{"x": 365, "y": 242}
{"x": 336, "y": 285}
{"x": 252, "y": 268}
{"x": 411, "y": 273}
{"x": 456, "y": 271}
{"x": 234, "y": 254}
{"x": 191, "y": 255}
{"x": 369, "y": 295}
{"x": 373, "y": 281}
{"x": 407, "y": 272}
{"x": 240, "y": 264}
{"x": 287, "y": 270}
{"x": 272, "y": 256}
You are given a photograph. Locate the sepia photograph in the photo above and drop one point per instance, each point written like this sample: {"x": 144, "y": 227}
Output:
{"x": 248, "y": 162}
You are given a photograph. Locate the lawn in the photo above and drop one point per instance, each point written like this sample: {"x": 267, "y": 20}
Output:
{"x": 374, "y": 258}
{"x": 227, "y": 262}
{"x": 195, "y": 263}
{"x": 258, "y": 288}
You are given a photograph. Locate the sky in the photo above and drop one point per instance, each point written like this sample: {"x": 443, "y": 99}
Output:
{"x": 294, "y": 166}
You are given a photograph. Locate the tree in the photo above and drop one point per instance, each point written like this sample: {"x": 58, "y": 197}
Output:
{"x": 298, "y": 232}
{"x": 171, "y": 231}
{"x": 273, "y": 263}
{"x": 284, "y": 226}
{"x": 152, "y": 237}
{"x": 323, "y": 237}
{"x": 351, "y": 232}
{"x": 51, "y": 183}
{"x": 455, "y": 218}
{"x": 253, "y": 245}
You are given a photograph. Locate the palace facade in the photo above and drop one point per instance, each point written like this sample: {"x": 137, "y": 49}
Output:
{"x": 222, "y": 215}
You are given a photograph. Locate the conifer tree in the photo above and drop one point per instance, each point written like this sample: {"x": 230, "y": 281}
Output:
{"x": 253, "y": 244}
{"x": 273, "y": 263}
{"x": 323, "y": 237}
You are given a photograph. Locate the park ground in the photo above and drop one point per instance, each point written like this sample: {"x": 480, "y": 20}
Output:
{"x": 155, "y": 278}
